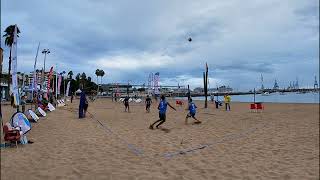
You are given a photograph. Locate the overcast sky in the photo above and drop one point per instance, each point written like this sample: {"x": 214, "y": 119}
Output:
{"x": 240, "y": 39}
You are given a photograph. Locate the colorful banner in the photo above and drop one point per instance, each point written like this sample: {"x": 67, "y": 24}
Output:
{"x": 49, "y": 79}
{"x": 68, "y": 87}
{"x": 43, "y": 81}
{"x": 36, "y": 81}
{"x": 14, "y": 64}
{"x": 156, "y": 83}
{"x": 59, "y": 83}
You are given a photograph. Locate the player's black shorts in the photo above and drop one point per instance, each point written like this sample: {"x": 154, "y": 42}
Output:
{"x": 162, "y": 116}
{"x": 85, "y": 107}
{"x": 126, "y": 104}
{"x": 191, "y": 114}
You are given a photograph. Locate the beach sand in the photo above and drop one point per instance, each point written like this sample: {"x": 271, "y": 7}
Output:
{"x": 280, "y": 143}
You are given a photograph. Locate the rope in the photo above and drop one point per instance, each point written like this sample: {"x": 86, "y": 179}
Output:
{"x": 227, "y": 138}
{"x": 132, "y": 147}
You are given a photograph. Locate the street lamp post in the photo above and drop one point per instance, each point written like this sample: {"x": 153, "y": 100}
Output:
{"x": 45, "y": 52}
{"x": 56, "y": 81}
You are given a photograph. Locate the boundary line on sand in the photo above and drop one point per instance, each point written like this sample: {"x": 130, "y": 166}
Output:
{"x": 132, "y": 147}
{"x": 227, "y": 138}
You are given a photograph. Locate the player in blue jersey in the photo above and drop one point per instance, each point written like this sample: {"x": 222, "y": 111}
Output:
{"x": 162, "y": 112}
{"x": 192, "y": 112}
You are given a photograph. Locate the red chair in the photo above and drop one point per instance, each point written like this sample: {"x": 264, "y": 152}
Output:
{"x": 178, "y": 102}
{"x": 11, "y": 135}
{"x": 260, "y": 107}
{"x": 253, "y": 107}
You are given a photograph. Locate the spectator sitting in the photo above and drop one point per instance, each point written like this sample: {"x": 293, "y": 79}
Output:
{"x": 42, "y": 105}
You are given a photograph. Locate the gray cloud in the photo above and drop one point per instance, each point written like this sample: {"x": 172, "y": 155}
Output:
{"x": 239, "y": 40}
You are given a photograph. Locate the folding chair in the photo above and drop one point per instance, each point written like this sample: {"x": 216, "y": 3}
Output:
{"x": 178, "y": 102}
{"x": 253, "y": 107}
{"x": 10, "y": 134}
{"x": 260, "y": 107}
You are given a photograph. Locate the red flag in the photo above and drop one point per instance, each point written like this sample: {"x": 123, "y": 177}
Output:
{"x": 49, "y": 78}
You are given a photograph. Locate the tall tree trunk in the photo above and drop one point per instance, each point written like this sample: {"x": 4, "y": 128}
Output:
{"x": 101, "y": 83}
{"x": 9, "y": 71}
{"x": 206, "y": 89}
{"x": 82, "y": 83}
{"x": 189, "y": 95}
{"x": 98, "y": 85}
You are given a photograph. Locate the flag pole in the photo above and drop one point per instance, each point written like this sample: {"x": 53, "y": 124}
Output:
{"x": 56, "y": 81}
{"x": 34, "y": 86}
{"x": 14, "y": 64}
{"x": 206, "y": 86}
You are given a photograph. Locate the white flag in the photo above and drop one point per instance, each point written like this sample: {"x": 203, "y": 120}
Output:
{"x": 156, "y": 83}
{"x": 15, "y": 88}
{"x": 67, "y": 91}
{"x": 59, "y": 83}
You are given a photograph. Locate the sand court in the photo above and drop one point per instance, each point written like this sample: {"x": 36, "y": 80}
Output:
{"x": 280, "y": 143}
{"x": 188, "y": 139}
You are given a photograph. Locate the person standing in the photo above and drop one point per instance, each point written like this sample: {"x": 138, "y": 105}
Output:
{"x": 148, "y": 103}
{"x": 71, "y": 97}
{"x": 217, "y": 102}
{"x": 85, "y": 108}
{"x": 162, "y": 112}
{"x": 126, "y": 104}
{"x": 227, "y": 100}
{"x": 23, "y": 103}
{"x": 35, "y": 101}
{"x": 82, "y": 104}
{"x": 12, "y": 100}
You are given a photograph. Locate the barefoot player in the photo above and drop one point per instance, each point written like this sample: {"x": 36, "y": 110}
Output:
{"x": 192, "y": 112}
{"x": 162, "y": 112}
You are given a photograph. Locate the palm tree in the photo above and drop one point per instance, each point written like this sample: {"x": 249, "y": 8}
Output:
{"x": 83, "y": 76}
{"x": 83, "y": 79}
{"x": 8, "y": 42}
{"x": 98, "y": 74}
{"x": 70, "y": 74}
{"x": 102, "y": 74}
{"x": 78, "y": 77}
